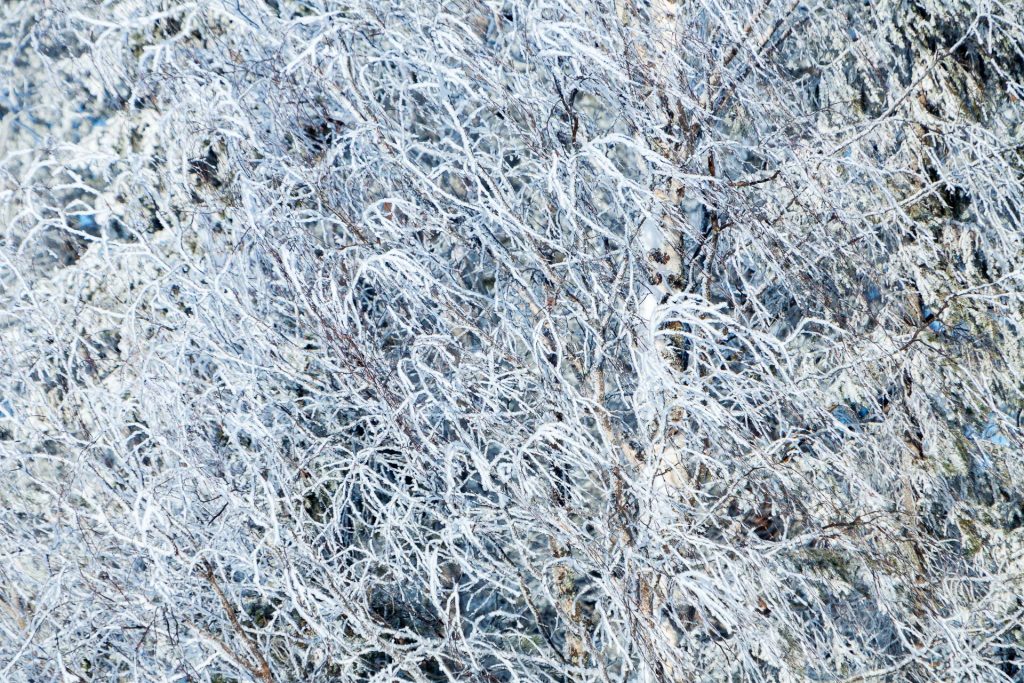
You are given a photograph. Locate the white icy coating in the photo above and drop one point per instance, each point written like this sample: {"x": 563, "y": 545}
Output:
{"x": 511, "y": 341}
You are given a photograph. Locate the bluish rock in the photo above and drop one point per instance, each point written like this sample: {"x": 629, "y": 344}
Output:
{"x": 989, "y": 432}
{"x": 960, "y": 331}
{"x": 845, "y": 416}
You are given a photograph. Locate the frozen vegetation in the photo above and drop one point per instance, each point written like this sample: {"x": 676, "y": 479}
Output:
{"x": 511, "y": 341}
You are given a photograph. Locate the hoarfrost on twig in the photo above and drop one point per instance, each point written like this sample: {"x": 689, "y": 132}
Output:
{"x": 511, "y": 340}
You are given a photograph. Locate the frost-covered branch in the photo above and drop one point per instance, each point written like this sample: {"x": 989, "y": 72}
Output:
{"x": 511, "y": 340}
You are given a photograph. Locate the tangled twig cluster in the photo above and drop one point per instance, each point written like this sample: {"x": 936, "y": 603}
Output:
{"x": 511, "y": 340}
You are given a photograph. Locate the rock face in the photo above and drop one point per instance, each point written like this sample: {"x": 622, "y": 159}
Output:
{"x": 511, "y": 341}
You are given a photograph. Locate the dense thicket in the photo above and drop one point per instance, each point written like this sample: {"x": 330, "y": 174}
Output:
{"x": 526, "y": 340}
